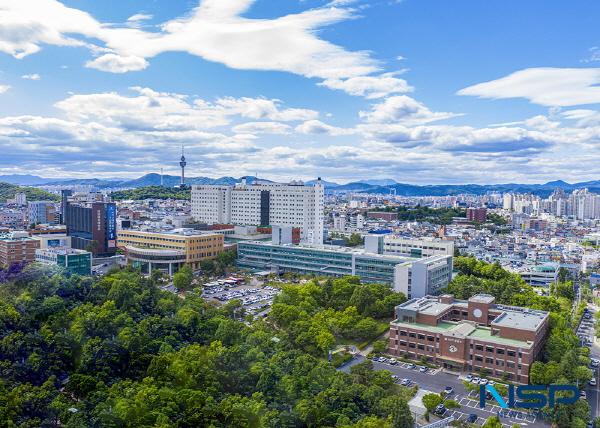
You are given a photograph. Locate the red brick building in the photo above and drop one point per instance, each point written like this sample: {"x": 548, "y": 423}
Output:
{"x": 478, "y": 215}
{"x": 383, "y": 215}
{"x": 17, "y": 247}
{"x": 475, "y": 335}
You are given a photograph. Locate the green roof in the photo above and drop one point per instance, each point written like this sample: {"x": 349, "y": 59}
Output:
{"x": 442, "y": 326}
{"x": 483, "y": 333}
{"x": 486, "y": 334}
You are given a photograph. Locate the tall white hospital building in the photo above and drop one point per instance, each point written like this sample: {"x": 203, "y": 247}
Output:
{"x": 294, "y": 204}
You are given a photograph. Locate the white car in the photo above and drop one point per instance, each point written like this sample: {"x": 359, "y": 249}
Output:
{"x": 483, "y": 382}
{"x": 475, "y": 380}
{"x": 593, "y": 381}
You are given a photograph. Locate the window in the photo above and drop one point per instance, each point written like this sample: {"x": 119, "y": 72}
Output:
{"x": 412, "y": 335}
{"x": 402, "y": 333}
{"x": 500, "y": 351}
{"x": 478, "y": 358}
{"x": 510, "y": 353}
{"x": 489, "y": 349}
{"x": 479, "y": 347}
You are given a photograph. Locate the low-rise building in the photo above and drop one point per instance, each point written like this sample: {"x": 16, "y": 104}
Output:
{"x": 169, "y": 251}
{"x": 75, "y": 261}
{"x": 475, "y": 335}
{"x": 408, "y": 275}
{"x": 417, "y": 247}
{"x": 17, "y": 247}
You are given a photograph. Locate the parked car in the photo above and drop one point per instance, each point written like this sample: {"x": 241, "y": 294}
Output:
{"x": 411, "y": 366}
{"x": 472, "y": 418}
{"x": 469, "y": 377}
{"x": 475, "y": 380}
{"x": 449, "y": 390}
{"x": 593, "y": 382}
{"x": 393, "y": 361}
{"x": 423, "y": 369}
{"x": 440, "y": 409}
{"x": 405, "y": 382}
{"x": 582, "y": 395}
{"x": 483, "y": 381}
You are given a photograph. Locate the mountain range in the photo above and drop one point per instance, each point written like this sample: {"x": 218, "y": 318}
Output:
{"x": 377, "y": 186}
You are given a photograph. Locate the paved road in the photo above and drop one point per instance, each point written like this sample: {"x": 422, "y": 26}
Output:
{"x": 593, "y": 392}
{"x": 469, "y": 404}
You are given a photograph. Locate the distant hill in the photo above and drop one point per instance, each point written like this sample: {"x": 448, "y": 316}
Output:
{"x": 8, "y": 191}
{"x": 151, "y": 192}
{"x": 378, "y": 186}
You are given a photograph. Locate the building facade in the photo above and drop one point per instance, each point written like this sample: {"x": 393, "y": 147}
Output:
{"x": 17, "y": 247}
{"x": 474, "y": 336}
{"x": 478, "y": 215}
{"x": 417, "y": 247}
{"x": 169, "y": 251}
{"x": 41, "y": 212}
{"x": 91, "y": 225}
{"x": 335, "y": 261}
{"x": 77, "y": 262}
{"x": 293, "y": 204}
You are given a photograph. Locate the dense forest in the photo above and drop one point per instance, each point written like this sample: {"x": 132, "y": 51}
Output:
{"x": 422, "y": 213}
{"x": 152, "y": 192}
{"x": 563, "y": 359}
{"x": 118, "y": 352}
{"x": 8, "y": 191}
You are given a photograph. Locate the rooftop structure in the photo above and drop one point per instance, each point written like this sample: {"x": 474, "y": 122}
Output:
{"x": 475, "y": 335}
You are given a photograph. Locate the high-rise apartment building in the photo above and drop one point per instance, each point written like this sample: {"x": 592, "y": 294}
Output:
{"x": 262, "y": 204}
{"x": 478, "y": 215}
{"x": 41, "y": 212}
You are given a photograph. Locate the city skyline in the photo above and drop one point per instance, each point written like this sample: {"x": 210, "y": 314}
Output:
{"x": 421, "y": 92}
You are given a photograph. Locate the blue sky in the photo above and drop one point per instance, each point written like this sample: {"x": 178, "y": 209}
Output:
{"x": 419, "y": 91}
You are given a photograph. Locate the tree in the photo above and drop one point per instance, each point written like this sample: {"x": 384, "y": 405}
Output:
{"x": 401, "y": 414}
{"x": 492, "y": 422}
{"x": 431, "y": 401}
{"x": 354, "y": 241}
{"x": 183, "y": 278}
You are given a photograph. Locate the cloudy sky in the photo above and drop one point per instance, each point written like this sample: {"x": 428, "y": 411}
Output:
{"x": 421, "y": 91}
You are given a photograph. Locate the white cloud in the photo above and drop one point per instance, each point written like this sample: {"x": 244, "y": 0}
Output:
{"x": 262, "y": 108}
{"x": 319, "y": 128}
{"x": 370, "y": 86}
{"x": 544, "y": 86}
{"x": 4, "y": 88}
{"x": 403, "y": 109}
{"x": 117, "y": 64}
{"x": 33, "y": 76}
{"x": 139, "y": 17}
{"x": 214, "y": 31}
{"x": 262, "y": 128}
{"x": 594, "y": 55}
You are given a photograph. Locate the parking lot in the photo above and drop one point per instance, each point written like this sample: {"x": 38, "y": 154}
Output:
{"x": 436, "y": 380}
{"x": 256, "y": 298}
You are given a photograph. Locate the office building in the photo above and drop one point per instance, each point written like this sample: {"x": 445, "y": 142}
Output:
{"x": 77, "y": 262}
{"x": 41, "y": 212}
{"x": 403, "y": 274}
{"x": 383, "y": 215}
{"x": 169, "y": 251}
{"x": 17, "y": 247}
{"x": 263, "y": 204}
{"x": 92, "y": 226}
{"x": 409, "y": 247}
{"x": 478, "y": 215}
{"x": 53, "y": 240}
{"x": 473, "y": 336}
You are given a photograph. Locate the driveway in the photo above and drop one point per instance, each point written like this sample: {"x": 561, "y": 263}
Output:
{"x": 437, "y": 380}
